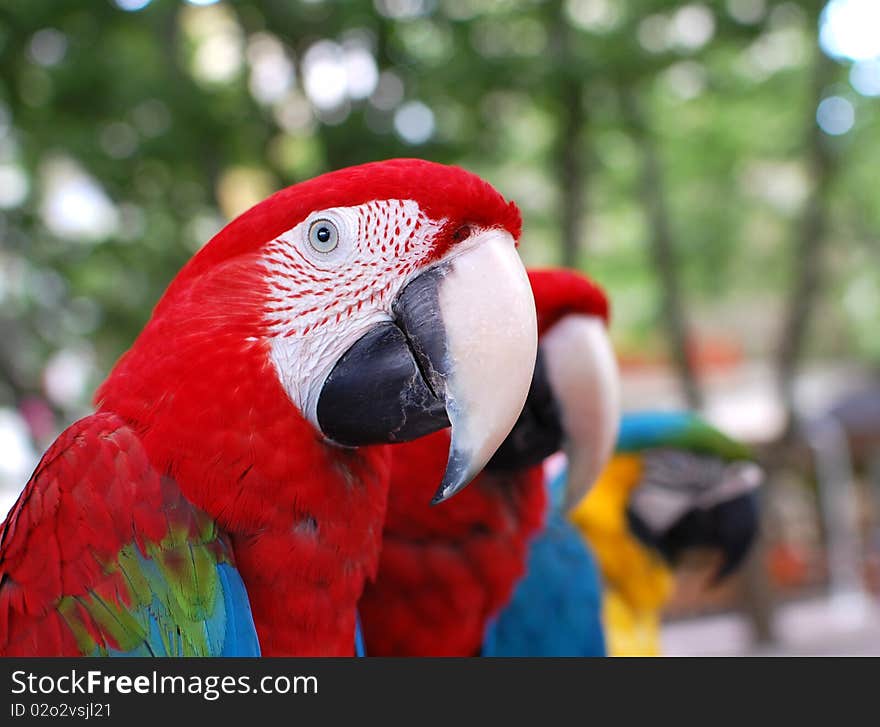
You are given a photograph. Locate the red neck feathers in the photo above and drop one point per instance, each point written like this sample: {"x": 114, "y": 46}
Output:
{"x": 304, "y": 517}
{"x": 446, "y": 570}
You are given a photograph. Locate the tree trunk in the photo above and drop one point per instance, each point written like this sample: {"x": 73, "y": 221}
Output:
{"x": 570, "y": 169}
{"x": 662, "y": 248}
{"x": 758, "y": 602}
{"x": 807, "y": 256}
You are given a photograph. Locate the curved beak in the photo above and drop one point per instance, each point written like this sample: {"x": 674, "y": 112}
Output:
{"x": 738, "y": 523}
{"x": 459, "y": 351}
{"x": 734, "y": 514}
{"x": 573, "y": 405}
{"x": 582, "y": 369}
{"x": 538, "y": 431}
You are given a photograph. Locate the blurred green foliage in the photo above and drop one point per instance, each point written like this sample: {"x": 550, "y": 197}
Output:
{"x": 166, "y": 120}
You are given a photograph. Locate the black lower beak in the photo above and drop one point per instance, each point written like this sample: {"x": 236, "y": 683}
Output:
{"x": 730, "y": 527}
{"x": 458, "y": 353}
{"x": 389, "y": 386}
{"x": 738, "y": 523}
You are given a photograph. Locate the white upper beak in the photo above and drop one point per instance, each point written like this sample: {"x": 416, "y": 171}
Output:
{"x": 583, "y": 374}
{"x": 488, "y": 313}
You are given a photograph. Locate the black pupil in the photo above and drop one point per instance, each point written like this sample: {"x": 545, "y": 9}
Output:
{"x": 323, "y": 234}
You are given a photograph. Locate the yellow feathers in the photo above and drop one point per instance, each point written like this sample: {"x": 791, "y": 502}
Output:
{"x": 629, "y": 631}
{"x": 637, "y": 581}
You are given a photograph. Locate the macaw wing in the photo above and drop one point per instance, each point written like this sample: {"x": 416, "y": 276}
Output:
{"x": 103, "y": 556}
{"x": 556, "y": 607}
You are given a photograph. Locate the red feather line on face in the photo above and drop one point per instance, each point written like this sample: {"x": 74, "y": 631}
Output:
{"x": 390, "y": 248}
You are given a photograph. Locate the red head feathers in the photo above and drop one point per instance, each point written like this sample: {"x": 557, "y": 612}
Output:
{"x": 305, "y": 293}
{"x": 559, "y": 292}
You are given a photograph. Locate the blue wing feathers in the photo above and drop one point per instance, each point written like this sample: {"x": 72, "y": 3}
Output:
{"x": 240, "y": 638}
{"x": 556, "y": 608}
{"x": 227, "y": 623}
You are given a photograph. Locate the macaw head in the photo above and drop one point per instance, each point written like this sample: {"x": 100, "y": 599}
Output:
{"x": 573, "y": 403}
{"x": 387, "y": 299}
{"x": 697, "y": 487}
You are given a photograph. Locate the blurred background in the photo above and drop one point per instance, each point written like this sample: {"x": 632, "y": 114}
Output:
{"x": 714, "y": 164}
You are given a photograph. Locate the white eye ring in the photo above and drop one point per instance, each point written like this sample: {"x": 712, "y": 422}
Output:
{"x": 323, "y": 235}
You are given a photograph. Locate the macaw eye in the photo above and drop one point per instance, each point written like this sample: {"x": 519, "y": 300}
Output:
{"x": 462, "y": 233}
{"x": 323, "y": 235}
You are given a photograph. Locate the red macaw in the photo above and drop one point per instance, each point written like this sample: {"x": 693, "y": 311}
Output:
{"x": 223, "y": 499}
{"x": 445, "y": 572}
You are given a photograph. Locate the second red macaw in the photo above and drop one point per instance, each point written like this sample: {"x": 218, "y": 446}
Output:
{"x": 444, "y": 572}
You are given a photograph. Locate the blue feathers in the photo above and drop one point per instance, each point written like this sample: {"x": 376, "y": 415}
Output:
{"x": 360, "y": 649}
{"x": 222, "y": 627}
{"x": 556, "y": 607}
{"x": 684, "y": 430}
{"x": 649, "y": 429}
{"x": 239, "y": 634}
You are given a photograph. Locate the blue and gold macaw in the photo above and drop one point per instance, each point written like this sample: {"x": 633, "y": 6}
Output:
{"x": 674, "y": 483}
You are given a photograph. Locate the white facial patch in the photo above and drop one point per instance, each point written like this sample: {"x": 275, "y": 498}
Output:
{"x": 320, "y": 303}
{"x": 676, "y": 481}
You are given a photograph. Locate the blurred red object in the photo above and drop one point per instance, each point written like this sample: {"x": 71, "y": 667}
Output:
{"x": 708, "y": 354}
{"x": 788, "y": 565}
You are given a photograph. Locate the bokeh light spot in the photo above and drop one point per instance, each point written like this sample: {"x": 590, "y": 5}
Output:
{"x": 66, "y": 376}
{"x": 14, "y": 185}
{"x": 851, "y": 29}
{"x": 389, "y": 91}
{"x": 47, "y": 47}
{"x": 403, "y": 9}
{"x": 835, "y": 115}
{"x": 74, "y": 204}
{"x": 132, "y": 6}
{"x": 747, "y": 12}
{"x": 693, "y": 26}
{"x": 653, "y": 33}
{"x": 362, "y": 74}
{"x": 324, "y": 75}
{"x": 272, "y": 73}
{"x": 598, "y": 16}
{"x": 414, "y": 122}
{"x": 864, "y": 77}
{"x": 118, "y": 140}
